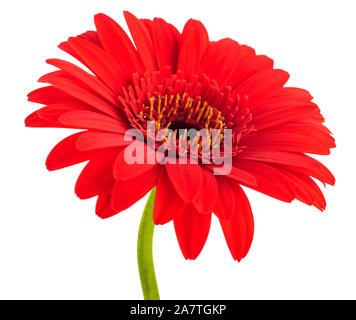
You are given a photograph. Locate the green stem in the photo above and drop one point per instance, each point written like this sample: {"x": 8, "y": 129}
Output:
{"x": 144, "y": 251}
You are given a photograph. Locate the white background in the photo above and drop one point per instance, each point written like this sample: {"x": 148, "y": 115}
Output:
{"x": 52, "y": 245}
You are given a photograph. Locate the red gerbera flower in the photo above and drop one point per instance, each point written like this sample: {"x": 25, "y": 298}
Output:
{"x": 181, "y": 81}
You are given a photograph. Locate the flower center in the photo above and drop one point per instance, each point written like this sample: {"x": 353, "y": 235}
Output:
{"x": 177, "y": 105}
{"x": 181, "y": 112}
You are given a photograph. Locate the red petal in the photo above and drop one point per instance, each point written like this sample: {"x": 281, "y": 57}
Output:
{"x": 239, "y": 230}
{"x": 65, "y": 154}
{"x": 175, "y": 32}
{"x": 118, "y": 44}
{"x": 96, "y": 177}
{"x": 167, "y": 202}
{"x": 48, "y": 117}
{"x": 220, "y": 60}
{"x": 103, "y": 206}
{"x": 249, "y": 65}
{"x": 82, "y": 119}
{"x": 192, "y": 229}
{"x": 268, "y": 116}
{"x": 124, "y": 171}
{"x": 295, "y": 161}
{"x": 225, "y": 204}
{"x": 186, "y": 179}
{"x": 100, "y": 63}
{"x": 66, "y": 47}
{"x": 165, "y": 44}
{"x": 54, "y": 111}
{"x": 284, "y": 98}
{"x": 90, "y": 81}
{"x": 293, "y": 94}
{"x": 91, "y": 140}
{"x": 142, "y": 40}
{"x": 126, "y": 193}
{"x": 262, "y": 84}
{"x": 74, "y": 89}
{"x": 194, "y": 43}
{"x": 269, "y": 180}
{"x": 35, "y": 121}
{"x": 149, "y": 26}
{"x": 236, "y": 174}
{"x": 90, "y": 36}
{"x": 305, "y": 189}
{"x": 51, "y": 95}
{"x": 208, "y": 196}
{"x": 287, "y": 138}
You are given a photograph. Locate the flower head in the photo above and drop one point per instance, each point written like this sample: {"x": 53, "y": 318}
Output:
{"x": 181, "y": 81}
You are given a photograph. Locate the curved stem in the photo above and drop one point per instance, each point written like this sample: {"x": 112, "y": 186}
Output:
{"x": 144, "y": 251}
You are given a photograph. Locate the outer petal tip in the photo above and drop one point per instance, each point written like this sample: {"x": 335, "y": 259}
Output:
{"x": 128, "y": 15}
{"x": 192, "y": 229}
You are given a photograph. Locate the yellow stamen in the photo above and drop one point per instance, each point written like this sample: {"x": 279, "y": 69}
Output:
{"x": 152, "y": 99}
{"x": 201, "y": 111}
{"x": 189, "y": 114}
{"x": 159, "y": 104}
{"x": 197, "y": 107}
{"x": 187, "y": 103}
{"x": 207, "y": 112}
{"x": 177, "y": 100}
